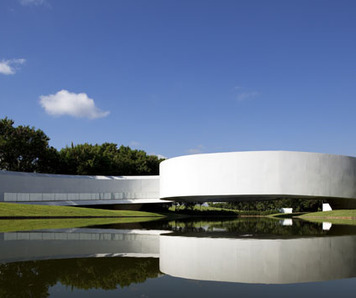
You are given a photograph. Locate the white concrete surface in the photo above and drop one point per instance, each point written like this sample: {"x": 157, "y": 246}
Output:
{"x": 286, "y": 210}
{"x": 77, "y": 190}
{"x": 250, "y": 175}
{"x": 326, "y": 207}
{"x": 256, "y": 175}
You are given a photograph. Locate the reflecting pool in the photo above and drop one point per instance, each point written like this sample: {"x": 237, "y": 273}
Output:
{"x": 245, "y": 257}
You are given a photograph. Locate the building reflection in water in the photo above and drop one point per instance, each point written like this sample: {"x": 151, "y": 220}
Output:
{"x": 232, "y": 251}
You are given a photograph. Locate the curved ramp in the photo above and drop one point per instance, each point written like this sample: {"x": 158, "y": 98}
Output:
{"x": 234, "y": 176}
{"x": 258, "y": 175}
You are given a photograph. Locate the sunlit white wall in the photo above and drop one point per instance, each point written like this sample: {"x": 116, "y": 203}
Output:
{"x": 263, "y": 174}
{"x": 32, "y": 187}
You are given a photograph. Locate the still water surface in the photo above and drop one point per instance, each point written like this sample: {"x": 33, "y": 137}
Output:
{"x": 248, "y": 257}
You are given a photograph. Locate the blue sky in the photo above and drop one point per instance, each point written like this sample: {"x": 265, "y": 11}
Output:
{"x": 179, "y": 77}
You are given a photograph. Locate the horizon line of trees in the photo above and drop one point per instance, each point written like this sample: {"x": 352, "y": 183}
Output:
{"x": 27, "y": 149}
{"x": 273, "y": 205}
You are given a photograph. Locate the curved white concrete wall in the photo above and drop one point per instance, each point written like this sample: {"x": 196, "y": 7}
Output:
{"x": 258, "y": 175}
{"x": 268, "y": 261}
{"x": 73, "y": 190}
{"x": 203, "y": 177}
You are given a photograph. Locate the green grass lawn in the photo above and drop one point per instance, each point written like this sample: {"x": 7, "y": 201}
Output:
{"x": 341, "y": 217}
{"x": 9, "y": 210}
{"x": 337, "y": 214}
{"x": 12, "y": 225}
{"x": 334, "y": 221}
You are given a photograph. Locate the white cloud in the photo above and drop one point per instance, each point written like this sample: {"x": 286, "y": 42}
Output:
{"x": 160, "y": 156}
{"x": 9, "y": 67}
{"x": 247, "y": 95}
{"x": 32, "y": 2}
{"x": 72, "y": 104}
{"x": 199, "y": 149}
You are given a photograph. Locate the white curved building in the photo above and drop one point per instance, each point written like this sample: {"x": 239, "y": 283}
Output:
{"x": 258, "y": 175}
{"x": 233, "y": 176}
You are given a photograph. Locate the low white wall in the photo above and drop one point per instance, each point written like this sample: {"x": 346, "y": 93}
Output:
{"x": 70, "y": 189}
{"x": 257, "y": 175}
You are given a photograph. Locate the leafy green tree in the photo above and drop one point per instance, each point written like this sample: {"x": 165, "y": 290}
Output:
{"x": 107, "y": 159}
{"x": 25, "y": 149}
{"x": 298, "y": 205}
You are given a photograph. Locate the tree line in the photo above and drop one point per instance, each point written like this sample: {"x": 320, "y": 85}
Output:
{"x": 27, "y": 149}
{"x": 298, "y": 205}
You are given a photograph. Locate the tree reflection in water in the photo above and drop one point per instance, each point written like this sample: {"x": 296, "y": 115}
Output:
{"x": 258, "y": 227}
{"x": 33, "y": 279}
